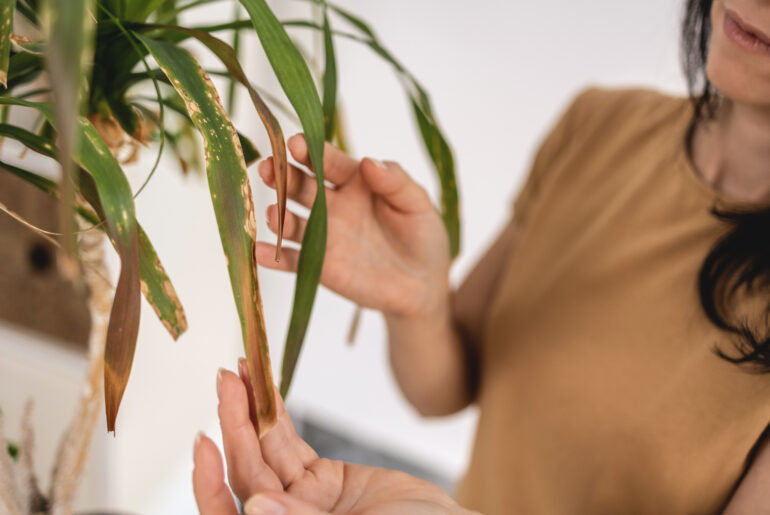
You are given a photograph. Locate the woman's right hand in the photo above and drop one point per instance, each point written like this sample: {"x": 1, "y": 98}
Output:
{"x": 387, "y": 248}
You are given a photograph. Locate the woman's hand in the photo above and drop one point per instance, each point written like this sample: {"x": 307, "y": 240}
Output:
{"x": 281, "y": 474}
{"x": 387, "y": 247}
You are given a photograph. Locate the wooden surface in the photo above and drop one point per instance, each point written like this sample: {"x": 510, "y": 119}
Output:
{"x": 32, "y": 293}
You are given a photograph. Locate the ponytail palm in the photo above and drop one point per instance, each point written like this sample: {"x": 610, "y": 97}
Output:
{"x": 98, "y": 60}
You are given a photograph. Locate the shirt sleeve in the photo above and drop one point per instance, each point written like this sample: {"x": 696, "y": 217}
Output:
{"x": 551, "y": 149}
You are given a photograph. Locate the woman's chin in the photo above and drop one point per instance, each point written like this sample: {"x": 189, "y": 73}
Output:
{"x": 740, "y": 81}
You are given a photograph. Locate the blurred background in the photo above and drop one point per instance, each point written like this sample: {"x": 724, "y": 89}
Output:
{"x": 499, "y": 72}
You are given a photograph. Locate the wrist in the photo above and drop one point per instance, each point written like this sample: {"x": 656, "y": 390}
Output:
{"x": 435, "y": 310}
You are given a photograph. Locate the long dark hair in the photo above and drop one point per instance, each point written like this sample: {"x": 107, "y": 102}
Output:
{"x": 738, "y": 266}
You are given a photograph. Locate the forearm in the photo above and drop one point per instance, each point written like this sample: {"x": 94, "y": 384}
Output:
{"x": 430, "y": 361}
{"x": 753, "y": 494}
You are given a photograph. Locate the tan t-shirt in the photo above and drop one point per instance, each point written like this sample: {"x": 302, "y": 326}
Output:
{"x": 601, "y": 392}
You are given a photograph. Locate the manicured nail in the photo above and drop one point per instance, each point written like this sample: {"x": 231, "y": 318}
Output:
{"x": 261, "y": 505}
{"x": 219, "y": 383}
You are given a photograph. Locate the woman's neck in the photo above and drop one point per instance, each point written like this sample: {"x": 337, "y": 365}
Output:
{"x": 732, "y": 151}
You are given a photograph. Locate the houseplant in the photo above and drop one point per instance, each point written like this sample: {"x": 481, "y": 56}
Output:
{"x": 96, "y": 59}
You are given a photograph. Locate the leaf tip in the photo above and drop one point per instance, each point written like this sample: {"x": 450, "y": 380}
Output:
{"x": 113, "y": 394}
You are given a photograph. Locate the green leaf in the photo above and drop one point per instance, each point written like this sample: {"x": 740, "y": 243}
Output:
{"x": 24, "y": 68}
{"x": 69, "y": 34}
{"x": 7, "y": 8}
{"x": 330, "y": 80}
{"x": 353, "y": 20}
{"x": 433, "y": 137}
{"x": 28, "y": 12}
{"x": 170, "y": 15}
{"x": 114, "y": 193}
{"x": 27, "y": 45}
{"x": 297, "y": 82}
{"x": 166, "y": 11}
{"x": 442, "y": 158}
{"x": 250, "y": 152}
{"x": 116, "y": 7}
{"x": 42, "y": 183}
{"x": 123, "y": 113}
{"x": 13, "y": 450}
{"x": 158, "y": 290}
{"x": 231, "y": 90}
{"x": 139, "y": 10}
{"x": 29, "y": 139}
{"x": 234, "y": 209}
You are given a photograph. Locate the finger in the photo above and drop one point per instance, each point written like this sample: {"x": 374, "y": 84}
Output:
{"x": 339, "y": 167}
{"x": 306, "y": 453}
{"x": 300, "y": 186}
{"x": 211, "y": 493}
{"x": 265, "y": 253}
{"x": 284, "y": 451}
{"x": 275, "y": 503}
{"x": 247, "y": 471}
{"x": 293, "y": 225}
{"x": 394, "y": 185}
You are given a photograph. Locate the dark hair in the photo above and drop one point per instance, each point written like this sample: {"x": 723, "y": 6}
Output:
{"x": 738, "y": 266}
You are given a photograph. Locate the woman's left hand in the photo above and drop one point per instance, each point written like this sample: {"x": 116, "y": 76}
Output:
{"x": 281, "y": 474}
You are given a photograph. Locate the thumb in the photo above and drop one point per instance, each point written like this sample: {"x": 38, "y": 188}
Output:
{"x": 394, "y": 185}
{"x": 279, "y": 503}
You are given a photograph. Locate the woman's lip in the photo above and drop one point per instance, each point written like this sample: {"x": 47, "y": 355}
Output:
{"x": 748, "y": 28}
{"x": 744, "y": 35}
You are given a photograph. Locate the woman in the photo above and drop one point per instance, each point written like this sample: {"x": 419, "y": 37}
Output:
{"x": 611, "y": 335}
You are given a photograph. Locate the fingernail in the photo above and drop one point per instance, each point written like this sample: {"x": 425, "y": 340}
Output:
{"x": 261, "y": 505}
{"x": 219, "y": 383}
{"x": 243, "y": 368}
{"x": 379, "y": 164}
{"x": 196, "y": 443}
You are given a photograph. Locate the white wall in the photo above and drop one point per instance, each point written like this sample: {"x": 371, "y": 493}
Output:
{"x": 499, "y": 72}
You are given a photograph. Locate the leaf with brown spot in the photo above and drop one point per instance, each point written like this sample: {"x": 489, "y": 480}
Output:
{"x": 233, "y": 207}
{"x": 115, "y": 195}
{"x": 27, "y": 45}
{"x": 293, "y": 74}
{"x": 226, "y": 54}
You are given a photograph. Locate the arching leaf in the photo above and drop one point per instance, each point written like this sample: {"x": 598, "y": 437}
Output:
{"x": 234, "y": 209}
